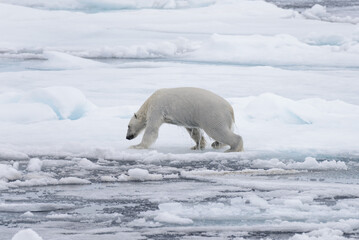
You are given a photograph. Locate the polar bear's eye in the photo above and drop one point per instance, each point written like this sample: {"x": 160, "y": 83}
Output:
{"x": 128, "y": 126}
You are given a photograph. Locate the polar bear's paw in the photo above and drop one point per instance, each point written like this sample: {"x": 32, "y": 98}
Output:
{"x": 138, "y": 146}
{"x": 200, "y": 145}
{"x": 196, "y": 147}
{"x": 217, "y": 145}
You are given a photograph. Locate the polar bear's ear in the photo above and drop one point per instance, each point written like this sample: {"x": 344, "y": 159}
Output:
{"x": 135, "y": 115}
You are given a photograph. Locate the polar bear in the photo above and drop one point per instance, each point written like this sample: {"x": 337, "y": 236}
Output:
{"x": 192, "y": 108}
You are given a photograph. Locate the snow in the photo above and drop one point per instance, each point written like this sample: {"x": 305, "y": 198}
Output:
{"x": 170, "y": 218}
{"x": 34, "y": 165}
{"x": 27, "y": 234}
{"x": 66, "y": 102}
{"x": 108, "y": 179}
{"x": 11, "y": 177}
{"x": 59, "y": 60}
{"x": 87, "y": 164}
{"x": 319, "y": 12}
{"x": 27, "y": 214}
{"x": 269, "y": 107}
{"x": 44, "y": 104}
{"x": 73, "y": 72}
{"x": 309, "y": 163}
{"x": 73, "y": 180}
{"x": 277, "y": 50}
{"x": 325, "y": 233}
{"x": 33, "y": 207}
{"x": 78, "y": 5}
{"x": 7, "y": 153}
{"x": 137, "y": 174}
{"x": 25, "y": 112}
{"x": 8, "y": 172}
{"x": 250, "y": 206}
{"x": 150, "y": 50}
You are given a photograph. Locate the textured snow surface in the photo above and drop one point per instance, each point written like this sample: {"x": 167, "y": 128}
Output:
{"x": 73, "y": 72}
{"x": 220, "y": 194}
{"x": 27, "y": 234}
{"x": 97, "y": 5}
{"x": 319, "y": 12}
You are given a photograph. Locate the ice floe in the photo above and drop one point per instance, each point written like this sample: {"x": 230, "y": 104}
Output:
{"x": 319, "y": 12}
{"x": 44, "y": 104}
{"x": 33, "y": 207}
{"x": 7, "y": 153}
{"x": 59, "y": 60}
{"x": 34, "y": 165}
{"x": 26, "y": 234}
{"x": 277, "y": 50}
{"x": 309, "y": 163}
{"x": 138, "y": 174}
{"x": 111, "y": 5}
{"x": 73, "y": 72}
{"x": 8, "y": 172}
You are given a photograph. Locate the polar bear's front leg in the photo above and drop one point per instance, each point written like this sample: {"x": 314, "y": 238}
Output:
{"x": 138, "y": 146}
{"x": 150, "y": 135}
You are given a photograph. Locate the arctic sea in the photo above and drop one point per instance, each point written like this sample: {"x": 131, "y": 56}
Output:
{"x": 73, "y": 72}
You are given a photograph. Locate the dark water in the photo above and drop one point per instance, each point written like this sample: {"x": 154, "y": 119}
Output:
{"x": 301, "y": 4}
{"x": 101, "y": 210}
{"x": 343, "y": 8}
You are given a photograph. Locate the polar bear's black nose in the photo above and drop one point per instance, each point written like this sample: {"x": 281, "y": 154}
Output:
{"x": 129, "y": 137}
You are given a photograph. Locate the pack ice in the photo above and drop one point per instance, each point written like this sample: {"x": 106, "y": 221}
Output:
{"x": 72, "y": 73}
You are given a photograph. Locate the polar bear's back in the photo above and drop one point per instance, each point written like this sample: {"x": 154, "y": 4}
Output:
{"x": 193, "y": 107}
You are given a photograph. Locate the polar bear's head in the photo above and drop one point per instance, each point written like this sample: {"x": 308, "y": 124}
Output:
{"x": 135, "y": 126}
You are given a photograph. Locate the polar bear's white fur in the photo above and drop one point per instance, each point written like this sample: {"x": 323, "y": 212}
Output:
{"x": 192, "y": 108}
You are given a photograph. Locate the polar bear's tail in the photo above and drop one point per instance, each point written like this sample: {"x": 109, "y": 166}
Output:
{"x": 232, "y": 114}
{"x": 232, "y": 124}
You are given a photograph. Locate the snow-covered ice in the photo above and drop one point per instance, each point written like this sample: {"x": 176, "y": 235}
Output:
{"x": 34, "y": 165}
{"x": 27, "y": 234}
{"x": 72, "y": 73}
{"x": 319, "y": 12}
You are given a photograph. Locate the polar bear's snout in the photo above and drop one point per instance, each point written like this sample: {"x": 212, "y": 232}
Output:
{"x": 129, "y": 137}
{"x": 135, "y": 126}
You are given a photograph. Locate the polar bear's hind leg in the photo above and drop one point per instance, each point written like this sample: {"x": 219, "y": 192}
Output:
{"x": 237, "y": 144}
{"x": 226, "y": 137}
{"x": 197, "y": 136}
{"x": 217, "y": 145}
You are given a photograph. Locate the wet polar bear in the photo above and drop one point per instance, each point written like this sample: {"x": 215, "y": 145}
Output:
{"x": 192, "y": 108}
